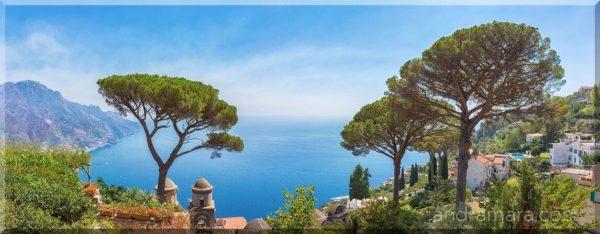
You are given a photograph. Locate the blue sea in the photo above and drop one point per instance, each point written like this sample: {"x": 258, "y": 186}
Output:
{"x": 278, "y": 155}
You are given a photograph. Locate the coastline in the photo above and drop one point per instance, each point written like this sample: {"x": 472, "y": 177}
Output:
{"x": 109, "y": 144}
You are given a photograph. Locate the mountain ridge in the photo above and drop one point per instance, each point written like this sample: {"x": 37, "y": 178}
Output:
{"x": 33, "y": 113}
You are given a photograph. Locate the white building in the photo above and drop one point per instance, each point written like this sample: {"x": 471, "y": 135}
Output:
{"x": 483, "y": 167}
{"x": 533, "y": 136}
{"x": 362, "y": 203}
{"x": 571, "y": 149}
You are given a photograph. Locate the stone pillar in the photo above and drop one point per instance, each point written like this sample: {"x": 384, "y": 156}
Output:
{"x": 202, "y": 206}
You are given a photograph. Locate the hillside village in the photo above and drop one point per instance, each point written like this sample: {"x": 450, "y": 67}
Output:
{"x": 571, "y": 153}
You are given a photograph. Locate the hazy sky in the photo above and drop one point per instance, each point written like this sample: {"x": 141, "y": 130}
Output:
{"x": 276, "y": 61}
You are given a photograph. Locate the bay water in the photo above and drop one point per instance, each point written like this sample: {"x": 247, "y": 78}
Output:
{"x": 279, "y": 154}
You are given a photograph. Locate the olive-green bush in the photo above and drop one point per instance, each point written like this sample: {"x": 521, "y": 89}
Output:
{"x": 42, "y": 189}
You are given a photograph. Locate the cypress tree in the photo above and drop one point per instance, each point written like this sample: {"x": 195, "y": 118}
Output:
{"x": 416, "y": 173}
{"x": 530, "y": 195}
{"x": 359, "y": 183}
{"x": 413, "y": 173}
{"x": 444, "y": 167}
{"x": 365, "y": 183}
{"x": 402, "y": 180}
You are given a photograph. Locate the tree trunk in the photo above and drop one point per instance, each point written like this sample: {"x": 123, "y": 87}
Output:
{"x": 160, "y": 190}
{"x": 87, "y": 169}
{"x": 89, "y": 176}
{"x": 463, "y": 164}
{"x": 396, "y": 180}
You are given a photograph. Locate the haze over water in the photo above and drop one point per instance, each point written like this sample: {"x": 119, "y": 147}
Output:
{"x": 278, "y": 154}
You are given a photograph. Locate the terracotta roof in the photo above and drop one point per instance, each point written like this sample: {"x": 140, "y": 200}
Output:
{"x": 498, "y": 160}
{"x": 233, "y": 222}
{"x": 490, "y": 159}
{"x": 484, "y": 160}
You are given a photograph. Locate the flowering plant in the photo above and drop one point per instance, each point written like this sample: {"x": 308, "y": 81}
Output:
{"x": 162, "y": 214}
{"x": 107, "y": 210}
{"x": 90, "y": 190}
{"x": 123, "y": 212}
{"x": 140, "y": 210}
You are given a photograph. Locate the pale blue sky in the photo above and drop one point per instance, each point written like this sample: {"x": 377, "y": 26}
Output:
{"x": 276, "y": 61}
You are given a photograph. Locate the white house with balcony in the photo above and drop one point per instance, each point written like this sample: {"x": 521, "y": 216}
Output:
{"x": 571, "y": 149}
{"x": 483, "y": 167}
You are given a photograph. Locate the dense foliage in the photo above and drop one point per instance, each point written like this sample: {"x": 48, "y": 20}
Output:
{"x": 116, "y": 195}
{"x": 359, "y": 183}
{"x": 387, "y": 215}
{"x": 119, "y": 195}
{"x": 561, "y": 194}
{"x": 43, "y": 190}
{"x": 530, "y": 202}
{"x": 540, "y": 164}
{"x": 590, "y": 159}
{"x": 298, "y": 212}
{"x": 434, "y": 197}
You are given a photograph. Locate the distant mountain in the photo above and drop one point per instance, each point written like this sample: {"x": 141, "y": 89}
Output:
{"x": 34, "y": 113}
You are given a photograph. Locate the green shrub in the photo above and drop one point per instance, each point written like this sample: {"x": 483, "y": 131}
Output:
{"x": 419, "y": 200}
{"x": 439, "y": 193}
{"x": 386, "y": 215}
{"x": 119, "y": 195}
{"x": 64, "y": 201}
{"x": 27, "y": 218}
{"x": 298, "y": 212}
{"x": 540, "y": 164}
{"x": 43, "y": 187}
{"x": 591, "y": 159}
